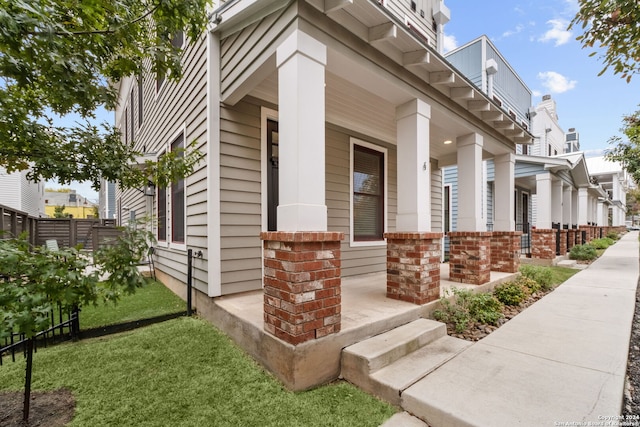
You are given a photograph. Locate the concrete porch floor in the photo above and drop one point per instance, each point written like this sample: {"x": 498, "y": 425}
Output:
{"x": 366, "y": 312}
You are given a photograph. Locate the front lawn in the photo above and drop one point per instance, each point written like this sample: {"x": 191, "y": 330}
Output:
{"x": 184, "y": 372}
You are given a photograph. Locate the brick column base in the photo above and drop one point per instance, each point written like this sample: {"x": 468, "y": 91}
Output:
{"x": 470, "y": 257}
{"x": 413, "y": 266}
{"x": 587, "y": 234}
{"x": 505, "y": 251}
{"x": 563, "y": 242}
{"x": 543, "y": 243}
{"x": 302, "y": 291}
{"x": 571, "y": 238}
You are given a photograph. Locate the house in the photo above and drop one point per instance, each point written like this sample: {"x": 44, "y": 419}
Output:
{"x": 552, "y": 190}
{"x": 107, "y": 200}
{"x": 616, "y": 182}
{"x": 325, "y": 126}
{"x": 21, "y": 194}
{"x": 75, "y": 205}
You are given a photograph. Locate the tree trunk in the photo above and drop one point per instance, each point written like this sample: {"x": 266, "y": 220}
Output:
{"x": 27, "y": 382}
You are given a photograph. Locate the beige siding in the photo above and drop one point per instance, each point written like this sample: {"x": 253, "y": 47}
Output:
{"x": 402, "y": 9}
{"x": 177, "y": 106}
{"x": 240, "y": 200}
{"x": 244, "y": 52}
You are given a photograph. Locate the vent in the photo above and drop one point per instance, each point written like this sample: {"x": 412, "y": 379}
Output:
{"x": 512, "y": 114}
{"x": 497, "y": 100}
{"x": 413, "y": 6}
{"x": 524, "y": 125}
{"x": 546, "y": 97}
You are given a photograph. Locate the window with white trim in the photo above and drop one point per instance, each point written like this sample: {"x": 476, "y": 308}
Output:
{"x": 171, "y": 206}
{"x": 178, "y": 223}
{"x": 368, "y": 193}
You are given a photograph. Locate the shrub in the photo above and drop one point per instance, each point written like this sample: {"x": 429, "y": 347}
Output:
{"x": 603, "y": 243}
{"x": 542, "y": 275}
{"x": 584, "y": 252}
{"x": 613, "y": 235}
{"x": 530, "y": 284}
{"x": 511, "y": 293}
{"x": 468, "y": 307}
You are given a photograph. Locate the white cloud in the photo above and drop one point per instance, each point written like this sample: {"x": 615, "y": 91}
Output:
{"x": 558, "y": 32}
{"x": 556, "y": 82}
{"x": 516, "y": 30}
{"x": 449, "y": 43}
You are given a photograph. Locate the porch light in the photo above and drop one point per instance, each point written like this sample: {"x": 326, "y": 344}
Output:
{"x": 448, "y": 141}
{"x": 150, "y": 189}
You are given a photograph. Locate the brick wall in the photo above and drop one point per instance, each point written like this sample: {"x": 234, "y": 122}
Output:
{"x": 505, "y": 251}
{"x": 543, "y": 243}
{"x": 413, "y": 266}
{"x": 470, "y": 257}
{"x": 563, "y": 242}
{"x": 302, "y": 294}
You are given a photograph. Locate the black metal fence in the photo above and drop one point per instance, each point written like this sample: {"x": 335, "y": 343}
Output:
{"x": 525, "y": 239}
{"x": 65, "y": 325}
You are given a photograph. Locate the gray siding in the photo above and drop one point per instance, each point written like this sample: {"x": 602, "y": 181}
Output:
{"x": 451, "y": 178}
{"x": 470, "y": 63}
{"x": 437, "y": 221}
{"x": 509, "y": 88}
{"x": 527, "y": 169}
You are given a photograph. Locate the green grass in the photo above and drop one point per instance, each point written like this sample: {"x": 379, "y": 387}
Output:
{"x": 154, "y": 299}
{"x": 184, "y": 373}
{"x": 560, "y": 274}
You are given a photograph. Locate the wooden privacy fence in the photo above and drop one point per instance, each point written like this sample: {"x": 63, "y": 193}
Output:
{"x": 67, "y": 232}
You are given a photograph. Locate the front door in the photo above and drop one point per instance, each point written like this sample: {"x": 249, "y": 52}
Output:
{"x": 272, "y": 175}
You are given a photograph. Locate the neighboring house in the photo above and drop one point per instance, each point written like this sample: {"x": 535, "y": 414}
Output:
{"x": 74, "y": 204}
{"x": 18, "y": 193}
{"x": 552, "y": 190}
{"x": 616, "y": 182}
{"x": 107, "y": 200}
{"x": 325, "y": 126}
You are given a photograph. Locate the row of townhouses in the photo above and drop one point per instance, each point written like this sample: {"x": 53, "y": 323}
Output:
{"x": 340, "y": 142}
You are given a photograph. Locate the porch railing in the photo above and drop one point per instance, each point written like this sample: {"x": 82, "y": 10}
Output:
{"x": 525, "y": 239}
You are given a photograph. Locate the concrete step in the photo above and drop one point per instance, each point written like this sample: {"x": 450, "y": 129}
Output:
{"x": 569, "y": 263}
{"x": 405, "y": 353}
{"x": 390, "y": 381}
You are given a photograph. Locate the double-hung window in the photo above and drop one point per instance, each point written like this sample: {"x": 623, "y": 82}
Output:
{"x": 171, "y": 206}
{"x": 368, "y": 199}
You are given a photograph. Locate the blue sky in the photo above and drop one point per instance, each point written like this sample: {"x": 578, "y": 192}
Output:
{"x": 532, "y": 37}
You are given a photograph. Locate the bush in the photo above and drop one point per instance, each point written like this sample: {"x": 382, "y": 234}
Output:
{"x": 511, "y": 293}
{"x": 603, "y": 243}
{"x": 468, "y": 307}
{"x": 531, "y": 285}
{"x": 542, "y": 275}
{"x": 584, "y": 252}
{"x": 613, "y": 235}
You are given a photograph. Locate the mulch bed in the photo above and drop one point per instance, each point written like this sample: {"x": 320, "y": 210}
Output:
{"x": 48, "y": 408}
{"x": 631, "y": 404}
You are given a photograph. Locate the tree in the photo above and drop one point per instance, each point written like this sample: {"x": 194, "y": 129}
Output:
{"x": 58, "y": 212}
{"x": 59, "y": 58}
{"x": 628, "y": 152}
{"x": 612, "y": 25}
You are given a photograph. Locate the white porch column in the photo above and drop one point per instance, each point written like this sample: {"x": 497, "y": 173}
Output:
{"x": 600, "y": 212}
{"x": 567, "y": 205}
{"x": 301, "y": 64}
{"x": 544, "y": 200}
{"x": 414, "y": 168}
{"x": 504, "y": 196}
{"x": 583, "y": 206}
{"x": 556, "y": 201}
{"x": 470, "y": 213}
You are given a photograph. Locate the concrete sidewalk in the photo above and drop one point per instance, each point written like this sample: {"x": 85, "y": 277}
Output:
{"x": 562, "y": 360}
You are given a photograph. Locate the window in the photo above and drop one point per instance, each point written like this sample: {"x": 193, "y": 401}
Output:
{"x": 447, "y": 208}
{"x": 139, "y": 100}
{"x": 131, "y": 118}
{"x": 162, "y": 214}
{"x": 178, "y": 200}
{"x": 125, "y": 134}
{"x": 177, "y": 41}
{"x": 368, "y": 198}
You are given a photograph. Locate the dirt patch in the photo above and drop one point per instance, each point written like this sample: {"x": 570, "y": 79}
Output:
{"x": 48, "y": 408}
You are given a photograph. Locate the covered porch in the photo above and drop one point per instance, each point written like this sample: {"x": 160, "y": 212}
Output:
{"x": 366, "y": 312}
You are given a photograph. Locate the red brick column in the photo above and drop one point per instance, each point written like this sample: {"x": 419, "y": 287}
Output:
{"x": 301, "y": 284}
{"x": 586, "y": 228}
{"x": 470, "y": 257}
{"x": 563, "y": 242}
{"x": 413, "y": 266}
{"x": 543, "y": 243}
{"x": 571, "y": 236}
{"x": 505, "y": 251}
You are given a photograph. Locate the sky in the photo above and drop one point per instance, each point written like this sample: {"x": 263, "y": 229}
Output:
{"x": 532, "y": 36}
